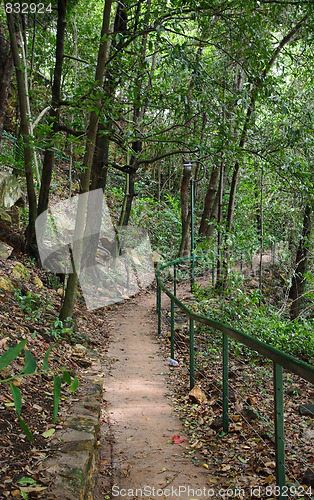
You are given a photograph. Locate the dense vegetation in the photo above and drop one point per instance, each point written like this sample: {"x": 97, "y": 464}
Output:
{"x": 122, "y": 95}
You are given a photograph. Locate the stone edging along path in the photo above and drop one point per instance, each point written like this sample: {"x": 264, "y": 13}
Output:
{"x": 70, "y": 471}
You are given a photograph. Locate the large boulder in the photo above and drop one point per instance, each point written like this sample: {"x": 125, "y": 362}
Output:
{"x": 10, "y": 190}
{"x": 20, "y": 272}
{"x": 6, "y": 284}
{"x": 5, "y": 218}
{"x": 5, "y": 250}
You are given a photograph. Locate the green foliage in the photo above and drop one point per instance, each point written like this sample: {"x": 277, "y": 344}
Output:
{"x": 33, "y": 305}
{"x": 248, "y": 311}
{"x": 31, "y": 368}
{"x": 163, "y": 222}
{"x": 61, "y": 329}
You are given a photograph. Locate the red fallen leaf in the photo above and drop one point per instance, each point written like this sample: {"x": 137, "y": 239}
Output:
{"x": 176, "y": 439}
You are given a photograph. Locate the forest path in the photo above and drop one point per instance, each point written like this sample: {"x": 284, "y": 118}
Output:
{"x": 138, "y": 420}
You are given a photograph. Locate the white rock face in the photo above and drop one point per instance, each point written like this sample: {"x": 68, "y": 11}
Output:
{"x": 10, "y": 190}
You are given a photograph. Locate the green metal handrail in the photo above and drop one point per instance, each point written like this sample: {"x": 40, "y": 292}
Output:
{"x": 280, "y": 360}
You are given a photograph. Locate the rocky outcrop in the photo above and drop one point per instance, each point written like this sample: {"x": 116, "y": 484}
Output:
{"x": 10, "y": 190}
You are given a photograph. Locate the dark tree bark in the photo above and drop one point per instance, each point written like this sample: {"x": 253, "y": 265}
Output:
{"x": 299, "y": 280}
{"x": 49, "y": 155}
{"x": 100, "y": 159}
{"x": 185, "y": 212}
{"x": 71, "y": 289}
{"x": 209, "y": 201}
{"x": 30, "y": 234}
{"x": 6, "y": 71}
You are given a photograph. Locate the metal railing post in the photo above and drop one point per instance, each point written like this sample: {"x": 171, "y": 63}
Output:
{"x": 159, "y": 308}
{"x": 192, "y": 380}
{"x": 172, "y": 329}
{"x": 225, "y": 382}
{"x": 279, "y": 428}
{"x": 192, "y": 237}
{"x": 175, "y": 280}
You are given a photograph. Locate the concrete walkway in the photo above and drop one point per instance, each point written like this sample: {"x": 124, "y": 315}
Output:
{"x": 139, "y": 420}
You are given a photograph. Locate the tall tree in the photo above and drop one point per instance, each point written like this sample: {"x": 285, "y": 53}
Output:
{"x": 25, "y": 135}
{"x": 71, "y": 289}
{"x": 6, "y": 71}
{"x": 54, "y": 115}
{"x": 301, "y": 265}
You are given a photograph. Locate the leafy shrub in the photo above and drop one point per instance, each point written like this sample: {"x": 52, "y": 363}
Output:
{"x": 162, "y": 221}
{"x": 31, "y": 368}
{"x": 247, "y": 311}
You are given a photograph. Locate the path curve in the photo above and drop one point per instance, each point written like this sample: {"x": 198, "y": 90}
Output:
{"x": 139, "y": 420}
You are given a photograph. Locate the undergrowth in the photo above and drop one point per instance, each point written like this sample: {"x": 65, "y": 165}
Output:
{"x": 248, "y": 311}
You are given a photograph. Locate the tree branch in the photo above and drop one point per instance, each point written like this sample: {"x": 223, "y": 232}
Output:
{"x": 78, "y": 59}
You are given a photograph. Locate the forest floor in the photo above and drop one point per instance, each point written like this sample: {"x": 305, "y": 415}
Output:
{"x": 147, "y": 410}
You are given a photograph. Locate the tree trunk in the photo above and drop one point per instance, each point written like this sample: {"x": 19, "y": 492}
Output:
{"x": 129, "y": 195}
{"x": 221, "y": 262}
{"x": 209, "y": 201}
{"x": 6, "y": 70}
{"x": 299, "y": 280}
{"x": 49, "y": 155}
{"x": 30, "y": 234}
{"x": 111, "y": 82}
{"x": 71, "y": 289}
{"x": 185, "y": 216}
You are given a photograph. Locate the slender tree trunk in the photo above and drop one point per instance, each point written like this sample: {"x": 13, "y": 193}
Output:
{"x": 49, "y": 155}
{"x": 220, "y": 259}
{"x": 209, "y": 201}
{"x": 111, "y": 82}
{"x": 139, "y": 110}
{"x": 261, "y": 233}
{"x": 6, "y": 71}
{"x": 22, "y": 38}
{"x": 25, "y": 134}
{"x": 214, "y": 211}
{"x": 185, "y": 216}
{"x": 302, "y": 258}
{"x": 71, "y": 289}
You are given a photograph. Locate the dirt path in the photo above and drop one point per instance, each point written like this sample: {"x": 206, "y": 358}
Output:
{"x": 139, "y": 417}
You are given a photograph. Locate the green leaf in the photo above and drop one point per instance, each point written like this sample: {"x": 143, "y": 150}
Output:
{"x": 74, "y": 385}
{"x": 66, "y": 377}
{"x": 25, "y": 429}
{"x": 45, "y": 360}
{"x": 24, "y": 495}
{"x": 26, "y": 480}
{"x": 30, "y": 363}
{"x": 56, "y": 396}
{"x": 11, "y": 354}
{"x": 17, "y": 397}
{"x": 49, "y": 433}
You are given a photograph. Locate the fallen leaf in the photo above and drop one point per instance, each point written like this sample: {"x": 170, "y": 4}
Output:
{"x": 49, "y": 433}
{"x": 176, "y": 439}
